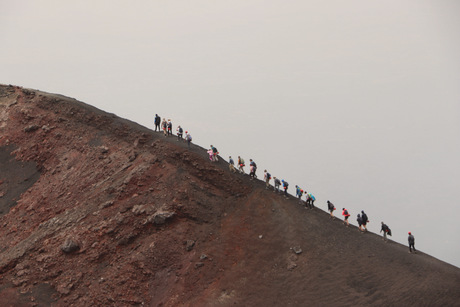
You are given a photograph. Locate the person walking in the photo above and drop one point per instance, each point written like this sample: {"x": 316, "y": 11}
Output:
{"x": 231, "y": 164}
{"x": 331, "y": 208}
{"x": 252, "y": 171}
{"x": 312, "y": 198}
{"x": 386, "y": 231}
{"x": 365, "y": 220}
{"x": 214, "y": 153}
{"x": 180, "y": 132}
{"x": 346, "y": 215}
{"x": 267, "y": 178}
{"x": 241, "y": 164}
{"x": 277, "y": 184}
{"x": 360, "y": 222}
{"x": 188, "y": 138}
{"x": 157, "y": 122}
{"x": 285, "y": 187}
{"x": 211, "y": 155}
{"x": 169, "y": 127}
{"x": 308, "y": 201}
{"x": 254, "y": 168}
{"x": 411, "y": 240}
{"x": 164, "y": 125}
{"x": 298, "y": 193}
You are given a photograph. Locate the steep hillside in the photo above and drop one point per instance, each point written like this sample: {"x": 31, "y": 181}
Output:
{"x": 99, "y": 211}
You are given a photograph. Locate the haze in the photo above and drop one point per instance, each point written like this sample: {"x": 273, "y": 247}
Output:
{"x": 355, "y": 101}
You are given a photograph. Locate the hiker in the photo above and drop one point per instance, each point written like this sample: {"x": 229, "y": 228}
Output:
{"x": 312, "y": 199}
{"x": 298, "y": 193}
{"x": 254, "y": 168}
{"x": 164, "y": 125}
{"x": 157, "y": 122}
{"x": 386, "y": 230}
{"x": 241, "y": 164}
{"x": 188, "y": 138}
{"x": 411, "y": 240}
{"x": 285, "y": 187}
{"x": 365, "y": 220}
{"x": 211, "y": 154}
{"x": 214, "y": 154}
{"x": 231, "y": 164}
{"x": 346, "y": 215}
{"x": 179, "y": 133}
{"x": 277, "y": 184}
{"x": 252, "y": 171}
{"x": 360, "y": 222}
{"x": 267, "y": 178}
{"x": 331, "y": 208}
{"x": 307, "y": 200}
{"x": 169, "y": 127}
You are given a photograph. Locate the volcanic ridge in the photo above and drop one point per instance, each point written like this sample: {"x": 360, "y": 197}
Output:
{"x": 96, "y": 210}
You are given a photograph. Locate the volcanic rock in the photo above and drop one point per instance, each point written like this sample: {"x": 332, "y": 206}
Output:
{"x": 70, "y": 246}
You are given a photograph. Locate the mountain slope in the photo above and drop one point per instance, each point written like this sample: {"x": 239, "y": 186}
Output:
{"x": 97, "y": 210}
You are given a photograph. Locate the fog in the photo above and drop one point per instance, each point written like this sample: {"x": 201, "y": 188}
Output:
{"x": 358, "y": 102}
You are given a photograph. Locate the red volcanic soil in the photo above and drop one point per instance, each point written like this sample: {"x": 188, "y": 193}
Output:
{"x": 100, "y": 211}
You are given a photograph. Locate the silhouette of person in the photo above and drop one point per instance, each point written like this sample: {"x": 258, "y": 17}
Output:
{"x": 157, "y": 122}
{"x": 331, "y": 208}
{"x": 411, "y": 240}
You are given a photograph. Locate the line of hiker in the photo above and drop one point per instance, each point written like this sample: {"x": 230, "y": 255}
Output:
{"x": 241, "y": 165}
{"x": 166, "y": 127}
{"x": 361, "y": 219}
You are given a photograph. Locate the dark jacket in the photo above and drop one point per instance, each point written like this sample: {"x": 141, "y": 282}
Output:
{"x": 411, "y": 239}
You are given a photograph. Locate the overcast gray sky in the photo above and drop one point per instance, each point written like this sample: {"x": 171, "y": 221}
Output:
{"x": 356, "y": 101}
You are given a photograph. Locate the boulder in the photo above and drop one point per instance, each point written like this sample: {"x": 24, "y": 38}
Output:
{"x": 70, "y": 245}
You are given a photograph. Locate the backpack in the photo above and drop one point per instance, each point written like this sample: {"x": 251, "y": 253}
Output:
{"x": 286, "y": 184}
{"x": 389, "y": 231}
{"x": 312, "y": 197}
{"x": 269, "y": 176}
{"x": 346, "y": 213}
{"x": 189, "y": 137}
{"x": 214, "y": 150}
{"x": 181, "y": 130}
